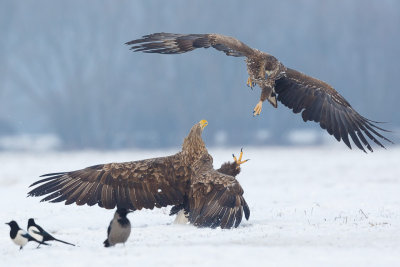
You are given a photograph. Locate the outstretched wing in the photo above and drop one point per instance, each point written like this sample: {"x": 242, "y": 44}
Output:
{"x": 172, "y": 43}
{"x": 133, "y": 185}
{"x": 216, "y": 200}
{"x": 321, "y": 103}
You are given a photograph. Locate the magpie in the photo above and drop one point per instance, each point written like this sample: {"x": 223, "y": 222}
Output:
{"x": 40, "y": 234}
{"x": 119, "y": 229}
{"x": 20, "y": 237}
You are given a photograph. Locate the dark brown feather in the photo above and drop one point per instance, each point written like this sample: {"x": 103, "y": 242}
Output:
{"x": 107, "y": 185}
{"x": 171, "y": 43}
{"x": 215, "y": 199}
{"x": 321, "y": 103}
{"x": 135, "y": 185}
{"x": 229, "y": 168}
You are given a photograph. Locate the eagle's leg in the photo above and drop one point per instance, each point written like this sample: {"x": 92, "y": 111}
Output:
{"x": 250, "y": 83}
{"x": 239, "y": 161}
{"x": 267, "y": 93}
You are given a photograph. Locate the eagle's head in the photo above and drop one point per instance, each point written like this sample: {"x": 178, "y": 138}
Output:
{"x": 197, "y": 129}
{"x": 193, "y": 144}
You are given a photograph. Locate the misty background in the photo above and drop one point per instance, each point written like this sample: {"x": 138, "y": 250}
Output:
{"x": 68, "y": 81}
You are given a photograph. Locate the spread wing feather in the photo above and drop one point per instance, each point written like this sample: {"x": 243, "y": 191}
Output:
{"x": 172, "y": 43}
{"x": 134, "y": 185}
{"x": 319, "y": 102}
{"x": 216, "y": 200}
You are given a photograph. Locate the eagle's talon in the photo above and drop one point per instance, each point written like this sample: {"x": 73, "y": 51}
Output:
{"x": 239, "y": 161}
{"x": 257, "y": 109}
{"x": 250, "y": 83}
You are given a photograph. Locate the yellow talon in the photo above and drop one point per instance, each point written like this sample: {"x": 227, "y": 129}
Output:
{"x": 250, "y": 82}
{"x": 257, "y": 109}
{"x": 239, "y": 161}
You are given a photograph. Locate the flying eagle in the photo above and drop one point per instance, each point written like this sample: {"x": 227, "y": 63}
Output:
{"x": 317, "y": 100}
{"x": 215, "y": 197}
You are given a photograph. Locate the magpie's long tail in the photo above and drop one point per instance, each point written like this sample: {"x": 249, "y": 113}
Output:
{"x": 65, "y": 242}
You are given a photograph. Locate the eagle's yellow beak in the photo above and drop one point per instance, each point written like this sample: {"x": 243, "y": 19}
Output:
{"x": 203, "y": 124}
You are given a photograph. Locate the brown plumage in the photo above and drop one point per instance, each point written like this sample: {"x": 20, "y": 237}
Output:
{"x": 150, "y": 183}
{"x": 230, "y": 170}
{"x": 215, "y": 199}
{"x": 317, "y": 100}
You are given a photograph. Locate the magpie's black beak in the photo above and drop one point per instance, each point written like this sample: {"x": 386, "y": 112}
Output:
{"x": 8, "y": 223}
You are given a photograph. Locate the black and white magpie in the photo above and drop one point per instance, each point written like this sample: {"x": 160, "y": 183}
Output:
{"x": 119, "y": 229}
{"x": 19, "y": 236}
{"x": 40, "y": 234}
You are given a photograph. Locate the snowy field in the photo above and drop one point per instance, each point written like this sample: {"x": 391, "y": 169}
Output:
{"x": 314, "y": 206}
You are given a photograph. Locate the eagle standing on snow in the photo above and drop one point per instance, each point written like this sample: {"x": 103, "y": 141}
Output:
{"x": 212, "y": 198}
{"x": 317, "y": 100}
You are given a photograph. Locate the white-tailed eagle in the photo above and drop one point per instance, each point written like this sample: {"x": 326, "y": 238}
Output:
{"x": 213, "y": 198}
{"x": 316, "y": 100}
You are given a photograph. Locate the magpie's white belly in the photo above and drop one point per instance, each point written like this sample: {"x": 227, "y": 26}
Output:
{"x": 119, "y": 233}
{"x": 19, "y": 239}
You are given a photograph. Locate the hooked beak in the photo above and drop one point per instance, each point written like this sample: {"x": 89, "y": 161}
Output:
{"x": 203, "y": 124}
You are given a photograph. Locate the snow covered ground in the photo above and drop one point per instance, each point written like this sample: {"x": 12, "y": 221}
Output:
{"x": 313, "y": 206}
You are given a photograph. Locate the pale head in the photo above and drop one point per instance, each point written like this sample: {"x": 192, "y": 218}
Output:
{"x": 193, "y": 144}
